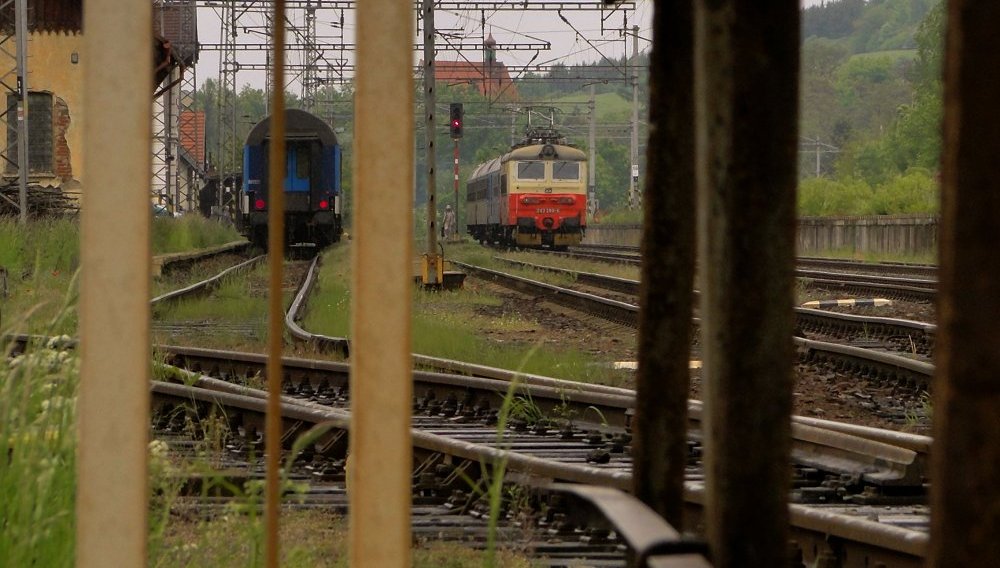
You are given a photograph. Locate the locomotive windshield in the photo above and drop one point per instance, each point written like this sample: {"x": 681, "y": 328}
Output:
{"x": 566, "y": 170}
{"x": 531, "y": 170}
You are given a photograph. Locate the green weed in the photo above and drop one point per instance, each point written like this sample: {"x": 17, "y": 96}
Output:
{"x": 38, "y": 442}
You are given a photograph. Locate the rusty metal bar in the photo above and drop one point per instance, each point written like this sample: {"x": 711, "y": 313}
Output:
{"x": 668, "y": 249}
{"x": 275, "y": 299}
{"x": 965, "y": 495}
{"x": 113, "y": 408}
{"x": 23, "y": 116}
{"x": 746, "y": 88}
{"x": 381, "y": 386}
{"x": 431, "y": 258}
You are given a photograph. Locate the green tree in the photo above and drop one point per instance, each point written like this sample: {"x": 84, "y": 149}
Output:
{"x": 612, "y": 174}
{"x": 824, "y": 197}
{"x": 914, "y": 192}
{"x": 913, "y": 138}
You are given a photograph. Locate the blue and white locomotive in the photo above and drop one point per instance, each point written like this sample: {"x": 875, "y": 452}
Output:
{"x": 311, "y": 182}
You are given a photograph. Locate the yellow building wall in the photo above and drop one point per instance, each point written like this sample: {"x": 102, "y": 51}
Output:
{"x": 50, "y": 69}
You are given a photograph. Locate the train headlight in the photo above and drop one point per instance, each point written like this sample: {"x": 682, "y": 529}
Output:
{"x": 566, "y": 201}
{"x": 259, "y": 204}
{"x": 530, "y": 201}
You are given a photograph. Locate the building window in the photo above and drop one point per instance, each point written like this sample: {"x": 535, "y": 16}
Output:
{"x": 40, "y": 136}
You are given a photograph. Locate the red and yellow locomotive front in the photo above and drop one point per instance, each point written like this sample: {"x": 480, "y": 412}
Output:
{"x": 546, "y": 201}
{"x": 535, "y": 195}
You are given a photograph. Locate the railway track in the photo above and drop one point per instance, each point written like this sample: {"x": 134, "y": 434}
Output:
{"x": 920, "y": 285}
{"x": 845, "y": 475}
{"x": 893, "y": 334}
{"x": 537, "y": 456}
{"x": 921, "y": 271}
{"x": 557, "y": 525}
{"x": 884, "y": 366}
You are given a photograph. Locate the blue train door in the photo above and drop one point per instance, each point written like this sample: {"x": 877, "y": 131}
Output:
{"x": 297, "y": 167}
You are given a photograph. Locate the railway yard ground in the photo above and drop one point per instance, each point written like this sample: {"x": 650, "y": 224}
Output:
{"x": 484, "y": 323}
{"x": 820, "y": 391}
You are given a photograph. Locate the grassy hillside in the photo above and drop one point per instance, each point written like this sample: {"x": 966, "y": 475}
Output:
{"x": 609, "y": 105}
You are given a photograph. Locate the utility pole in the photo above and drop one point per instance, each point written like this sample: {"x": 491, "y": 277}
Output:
{"x": 21, "y": 30}
{"x": 433, "y": 271}
{"x": 513, "y": 134}
{"x": 817, "y": 157}
{"x": 634, "y": 200}
{"x": 591, "y": 144}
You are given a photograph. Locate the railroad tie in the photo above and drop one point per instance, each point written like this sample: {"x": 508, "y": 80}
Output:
{"x": 851, "y": 302}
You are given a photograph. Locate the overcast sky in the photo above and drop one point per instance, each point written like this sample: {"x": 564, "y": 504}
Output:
{"x": 582, "y": 38}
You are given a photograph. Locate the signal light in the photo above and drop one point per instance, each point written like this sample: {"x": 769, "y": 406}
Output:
{"x": 259, "y": 204}
{"x": 457, "y": 113}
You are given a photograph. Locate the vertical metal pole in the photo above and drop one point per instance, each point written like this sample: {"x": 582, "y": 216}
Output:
{"x": 746, "y": 175}
{"x": 455, "y": 228}
{"x": 169, "y": 148}
{"x": 817, "y": 156}
{"x": 592, "y": 145}
{"x": 275, "y": 299}
{"x": 113, "y": 408}
{"x": 430, "y": 131}
{"x": 668, "y": 249}
{"x": 310, "y": 75}
{"x": 227, "y": 93}
{"x": 965, "y": 495}
{"x": 513, "y": 131}
{"x": 633, "y": 180}
{"x": 23, "y": 159}
{"x": 381, "y": 364}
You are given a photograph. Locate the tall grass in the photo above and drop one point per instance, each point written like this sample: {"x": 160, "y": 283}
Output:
{"x": 190, "y": 232}
{"x": 231, "y": 301}
{"x": 51, "y": 245}
{"x": 38, "y": 449}
{"x": 42, "y": 258}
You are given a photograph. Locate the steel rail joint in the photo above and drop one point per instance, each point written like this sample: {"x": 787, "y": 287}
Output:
{"x": 646, "y": 533}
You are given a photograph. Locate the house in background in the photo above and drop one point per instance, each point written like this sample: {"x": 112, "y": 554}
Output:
{"x": 54, "y": 107}
{"x": 55, "y": 89}
{"x": 490, "y": 77}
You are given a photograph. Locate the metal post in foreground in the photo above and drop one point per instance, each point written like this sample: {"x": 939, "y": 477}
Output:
{"x": 668, "y": 250}
{"x": 114, "y": 310}
{"x": 746, "y": 170}
{"x": 275, "y": 298}
{"x": 965, "y": 494}
{"x": 381, "y": 364}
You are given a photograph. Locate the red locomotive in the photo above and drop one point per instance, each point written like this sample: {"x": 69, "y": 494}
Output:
{"x": 533, "y": 196}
